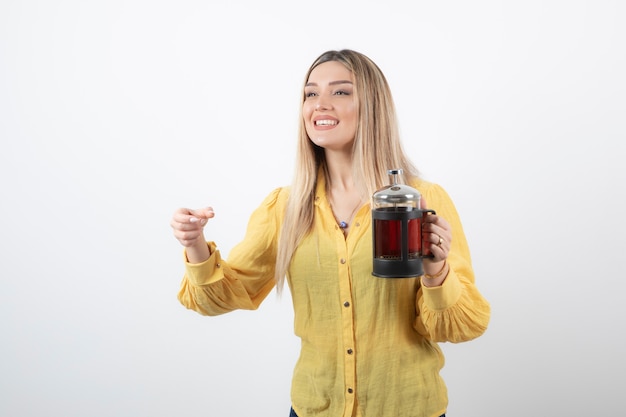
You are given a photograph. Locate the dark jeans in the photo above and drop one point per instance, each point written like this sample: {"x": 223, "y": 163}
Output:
{"x": 293, "y": 414}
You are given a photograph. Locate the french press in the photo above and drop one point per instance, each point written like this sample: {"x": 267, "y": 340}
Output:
{"x": 397, "y": 230}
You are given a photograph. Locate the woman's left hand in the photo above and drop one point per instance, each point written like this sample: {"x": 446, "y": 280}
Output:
{"x": 437, "y": 231}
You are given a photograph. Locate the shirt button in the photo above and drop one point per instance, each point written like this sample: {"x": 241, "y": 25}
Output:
{"x": 350, "y": 351}
{"x": 357, "y": 224}
{"x": 346, "y": 304}
{"x": 342, "y": 260}
{"x": 350, "y": 390}
{"x": 218, "y": 264}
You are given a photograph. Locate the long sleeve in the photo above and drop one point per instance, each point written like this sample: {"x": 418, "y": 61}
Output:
{"x": 244, "y": 280}
{"x": 455, "y": 311}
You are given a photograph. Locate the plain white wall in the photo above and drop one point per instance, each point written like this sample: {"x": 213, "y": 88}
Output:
{"x": 114, "y": 113}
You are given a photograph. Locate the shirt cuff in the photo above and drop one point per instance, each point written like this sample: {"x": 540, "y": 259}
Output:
{"x": 444, "y": 296}
{"x": 206, "y": 272}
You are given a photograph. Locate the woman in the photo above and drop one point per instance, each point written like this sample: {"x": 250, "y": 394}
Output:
{"x": 368, "y": 344}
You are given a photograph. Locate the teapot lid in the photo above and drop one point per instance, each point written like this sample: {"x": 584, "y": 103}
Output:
{"x": 396, "y": 192}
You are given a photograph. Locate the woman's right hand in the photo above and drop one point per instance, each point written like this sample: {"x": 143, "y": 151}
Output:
{"x": 188, "y": 226}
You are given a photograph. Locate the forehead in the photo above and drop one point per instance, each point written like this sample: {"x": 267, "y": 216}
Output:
{"x": 328, "y": 72}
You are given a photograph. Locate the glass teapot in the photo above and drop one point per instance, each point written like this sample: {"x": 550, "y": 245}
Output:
{"x": 398, "y": 245}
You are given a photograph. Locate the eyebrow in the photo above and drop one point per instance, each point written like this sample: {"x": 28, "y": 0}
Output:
{"x": 331, "y": 83}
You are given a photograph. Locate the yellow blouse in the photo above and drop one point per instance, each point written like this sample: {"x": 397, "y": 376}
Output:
{"x": 366, "y": 342}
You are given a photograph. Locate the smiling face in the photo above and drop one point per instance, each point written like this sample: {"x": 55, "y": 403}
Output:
{"x": 330, "y": 107}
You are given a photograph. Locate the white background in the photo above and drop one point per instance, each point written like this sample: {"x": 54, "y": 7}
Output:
{"x": 114, "y": 113}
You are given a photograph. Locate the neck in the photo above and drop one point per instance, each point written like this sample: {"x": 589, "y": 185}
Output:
{"x": 339, "y": 168}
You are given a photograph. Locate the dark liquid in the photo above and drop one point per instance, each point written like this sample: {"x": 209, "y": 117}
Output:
{"x": 388, "y": 243}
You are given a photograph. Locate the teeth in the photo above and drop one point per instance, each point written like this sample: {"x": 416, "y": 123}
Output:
{"x": 326, "y": 122}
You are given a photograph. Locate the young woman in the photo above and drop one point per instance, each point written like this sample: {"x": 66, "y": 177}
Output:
{"x": 368, "y": 344}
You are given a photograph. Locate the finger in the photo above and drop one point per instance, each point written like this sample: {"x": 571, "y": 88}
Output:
{"x": 433, "y": 218}
{"x": 179, "y": 212}
{"x": 437, "y": 224}
{"x": 438, "y": 248}
{"x": 430, "y": 223}
{"x": 189, "y": 226}
{"x": 180, "y": 219}
{"x": 188, "y": 237}
{"x": 430, "y": 220}
{"x": 201, "y": 214}
{"x": 442, "y": 238}
{"x": 436, "y": 239}
{"x": 186, "y": 215}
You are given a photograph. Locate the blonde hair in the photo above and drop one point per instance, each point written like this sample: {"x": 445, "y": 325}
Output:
{"x": 376, "y": 149}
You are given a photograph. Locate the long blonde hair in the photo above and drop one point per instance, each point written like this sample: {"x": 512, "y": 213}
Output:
{"x": 376, "y": 149}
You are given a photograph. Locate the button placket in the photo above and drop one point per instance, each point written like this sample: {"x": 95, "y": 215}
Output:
{"x": 347, "y": 313}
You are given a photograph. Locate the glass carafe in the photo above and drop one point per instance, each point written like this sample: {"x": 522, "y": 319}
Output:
{"x": 397, "y": 230}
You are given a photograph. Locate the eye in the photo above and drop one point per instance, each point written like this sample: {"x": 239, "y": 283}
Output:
{"x": 342, "y": 93}
{"x": 308, "y": 94}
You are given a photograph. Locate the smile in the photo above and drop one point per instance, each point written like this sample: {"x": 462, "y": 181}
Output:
{"x": 325, "y": 122}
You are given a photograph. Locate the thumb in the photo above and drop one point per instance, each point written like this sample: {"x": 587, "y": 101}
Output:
{"x": 201, "y": 215}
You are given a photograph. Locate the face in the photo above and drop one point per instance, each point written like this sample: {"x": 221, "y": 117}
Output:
{"x": 330, "y": 107}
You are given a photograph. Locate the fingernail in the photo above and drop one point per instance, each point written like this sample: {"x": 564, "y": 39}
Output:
{"x": 193, "y": 220}
{"x": 203, "y": 221}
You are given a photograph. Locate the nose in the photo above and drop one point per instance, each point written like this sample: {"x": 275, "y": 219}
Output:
{"x": 321, "y": 106}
